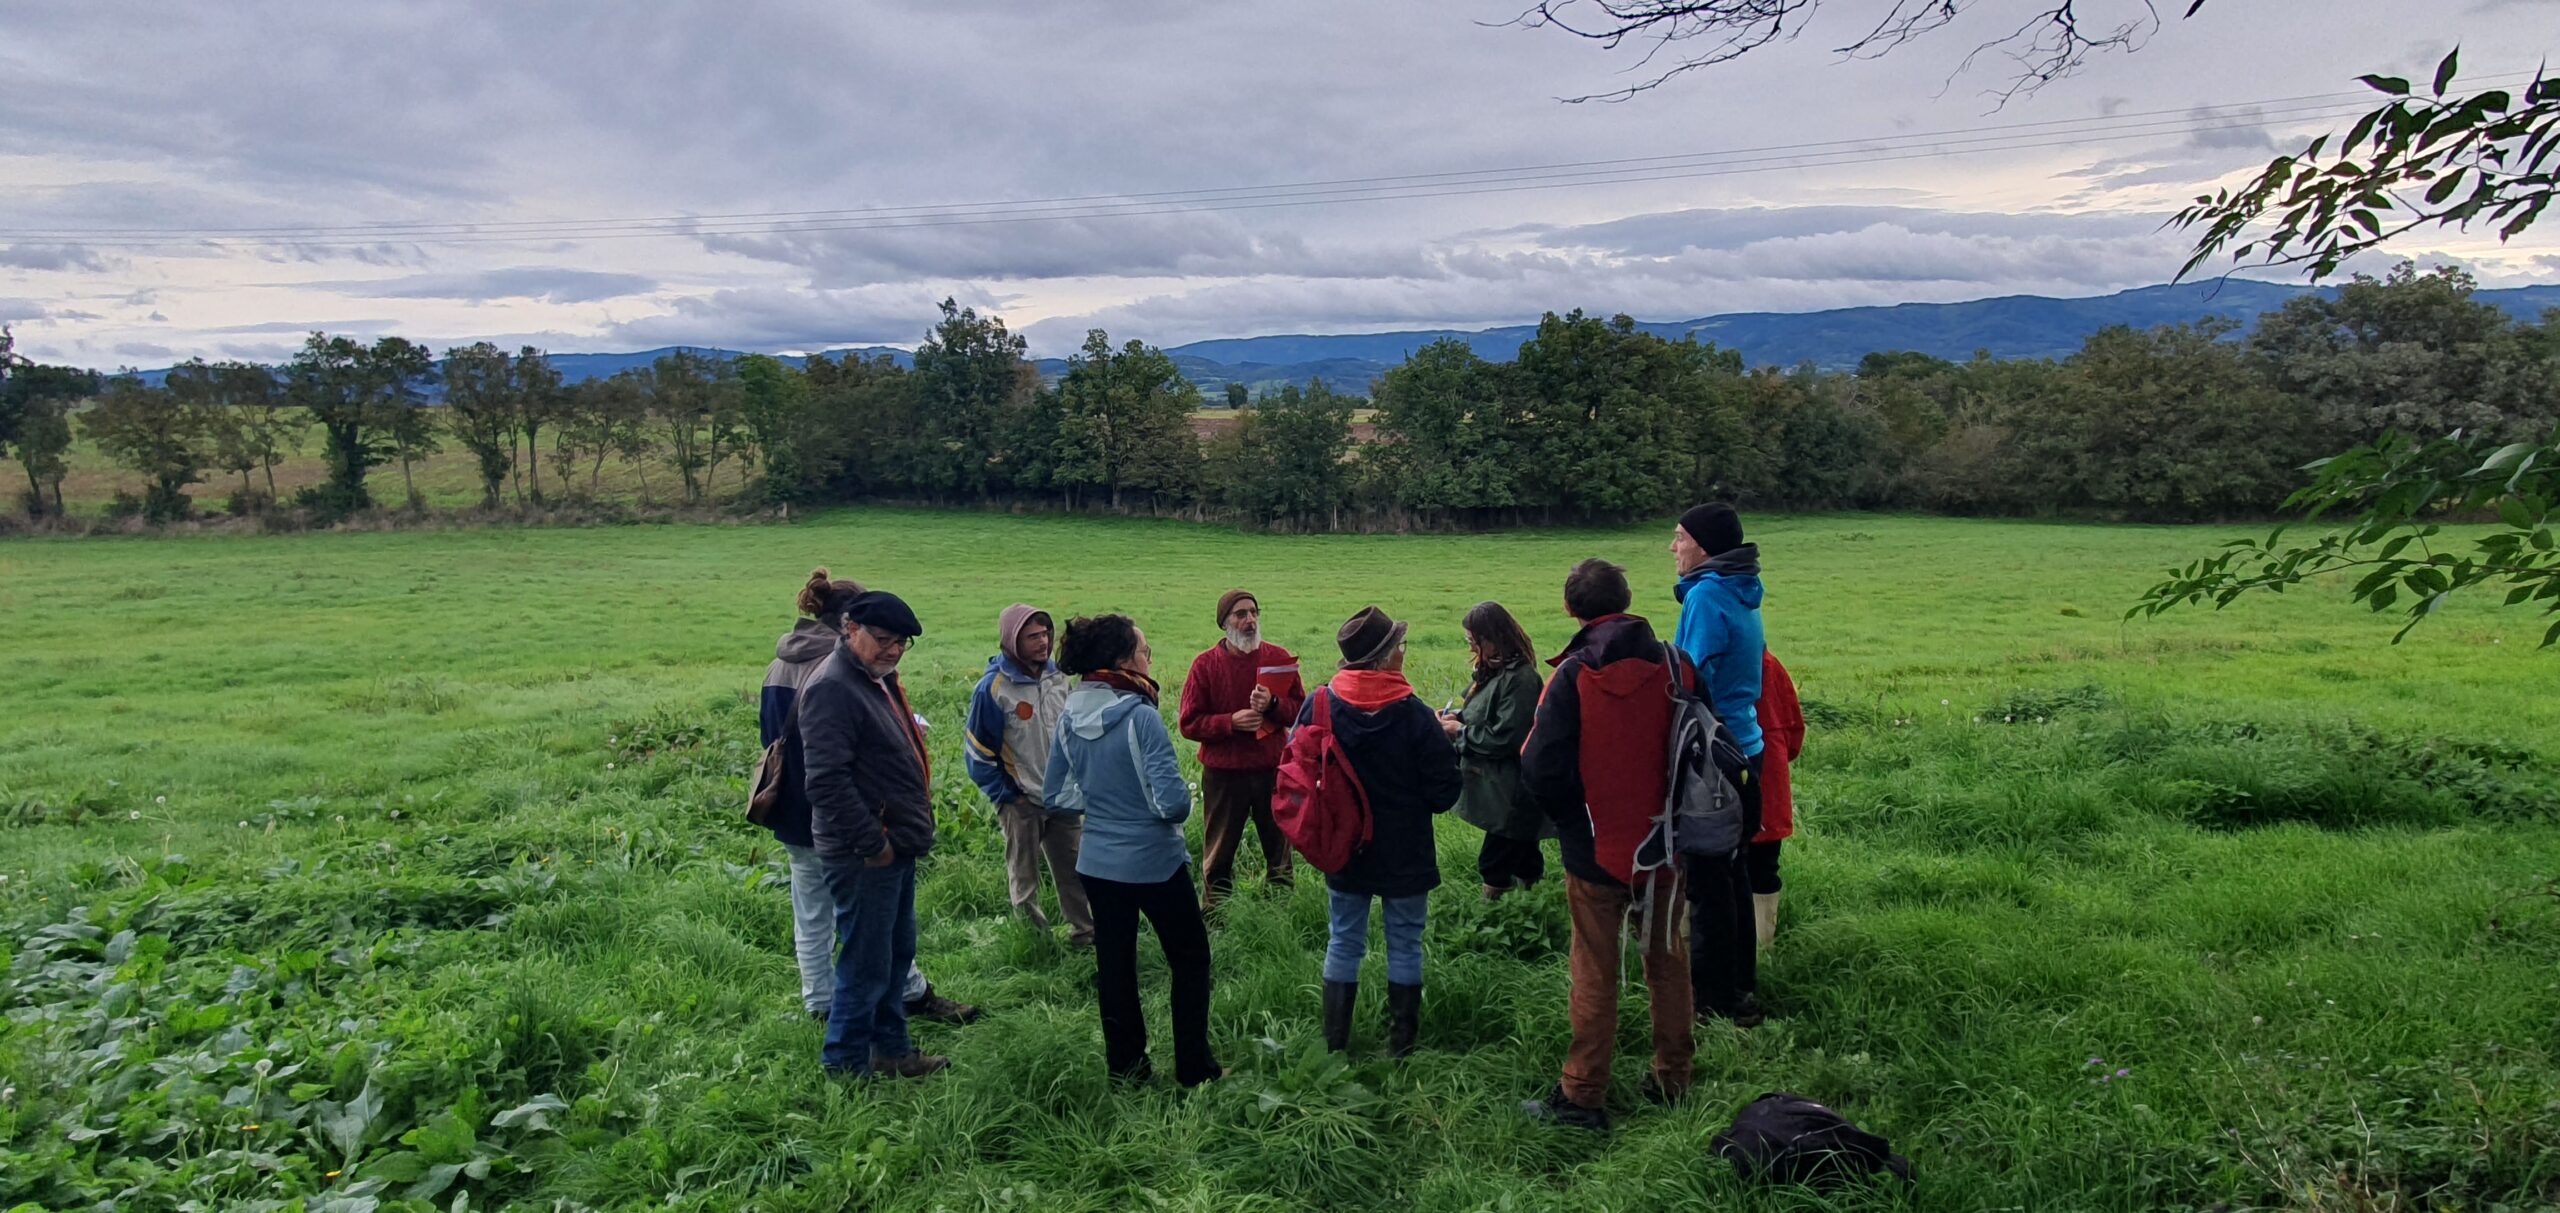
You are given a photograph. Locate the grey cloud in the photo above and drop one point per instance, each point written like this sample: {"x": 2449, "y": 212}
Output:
{"x": 1136, "y": 246}
{"x": 309, "y": 326}
{"x": 18, "y": 311}
{"x": 550, "y": 284}
{"x": 52, "y": 257}
{"x": 781, "y": 319}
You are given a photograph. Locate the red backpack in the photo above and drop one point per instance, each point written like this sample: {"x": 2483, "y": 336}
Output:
{"x": 1318, "y": 801}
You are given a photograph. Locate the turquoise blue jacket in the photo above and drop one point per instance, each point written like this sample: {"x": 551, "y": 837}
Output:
{"x": 1720, "y": 630}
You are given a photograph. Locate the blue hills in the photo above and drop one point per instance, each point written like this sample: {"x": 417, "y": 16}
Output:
{"x": 2011, "y": 326}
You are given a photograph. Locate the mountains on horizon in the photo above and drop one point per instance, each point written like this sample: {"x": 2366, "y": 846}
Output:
{"x": 2010, "y": 326}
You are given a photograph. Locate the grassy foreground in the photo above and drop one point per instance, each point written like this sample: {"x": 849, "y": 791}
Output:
{"x": 376, "y": 871}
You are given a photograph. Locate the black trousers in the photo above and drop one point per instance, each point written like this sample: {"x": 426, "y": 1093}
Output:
{"x": 1173, "y": 908}
{"x": 1760, "y": 865}
{"x": 1723, "y": 944}
{"x": 1504, "y": 862}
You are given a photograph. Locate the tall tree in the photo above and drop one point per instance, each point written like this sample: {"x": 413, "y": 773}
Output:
{"x": 971, "y": 383}
{"x": 1125, "y": 420}
{"x": 536, "y": 391}
{"x": 265, "y": 425}
{"x": 159, "y": 432}
{"x": 333, "y": 379}
{"x": 480, "y": 409}
{"x": 35, "y": 422}
{"x": 774, "y": 408}
{"x": 1449, "y": 440}
{"x": 686, "y": 391}
{"x": 1288, "y": 457}
{"x": 2410, "y": 352}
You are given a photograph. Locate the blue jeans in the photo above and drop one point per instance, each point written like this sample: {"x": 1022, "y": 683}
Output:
{"x": 875, "y": 946}
{"x": 1350, "y": 916}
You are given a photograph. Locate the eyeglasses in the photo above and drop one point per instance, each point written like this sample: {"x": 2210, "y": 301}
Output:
{"x": 887, "y": 639}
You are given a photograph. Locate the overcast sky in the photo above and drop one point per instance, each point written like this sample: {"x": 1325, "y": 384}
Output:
{"x": 166, "y": 122}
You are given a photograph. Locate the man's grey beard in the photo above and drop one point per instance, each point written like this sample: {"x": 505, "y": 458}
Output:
{"x": 1246, "y": 640}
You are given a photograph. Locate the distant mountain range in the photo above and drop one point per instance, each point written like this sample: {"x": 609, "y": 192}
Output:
{"x": 2012, "y": 326}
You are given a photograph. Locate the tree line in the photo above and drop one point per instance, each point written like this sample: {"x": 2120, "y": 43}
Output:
{"x": 1592, "y": 420}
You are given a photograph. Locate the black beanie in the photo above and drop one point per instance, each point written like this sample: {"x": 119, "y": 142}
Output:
{"x": 1714, "y": 526}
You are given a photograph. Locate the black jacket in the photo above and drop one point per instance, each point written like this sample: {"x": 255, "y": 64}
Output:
{"x": 1409, "y": 769}
{"x": 867, "y": 774}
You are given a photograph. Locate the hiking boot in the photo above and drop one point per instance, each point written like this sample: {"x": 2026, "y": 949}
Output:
{"x": 941, "y": 1010}
{"x": 820, "y": 1013}
{"x": 1404, "y": 1018}
{"x": 1338, "y": 997}
{"x": 1554, "y": 1108}
{"x": 1744, "y": 1014}
{"x": 1655, "y": 1095}
{"x": 913, "y": 1065}
{"x": 1494, "y": 892}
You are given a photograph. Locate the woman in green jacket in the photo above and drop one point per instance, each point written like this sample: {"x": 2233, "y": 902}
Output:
{"x": 1488, "y": 731}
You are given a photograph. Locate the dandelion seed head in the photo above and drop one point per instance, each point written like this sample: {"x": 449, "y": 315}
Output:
{"x": 159, "y": 800}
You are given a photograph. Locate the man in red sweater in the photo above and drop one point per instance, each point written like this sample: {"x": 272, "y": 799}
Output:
{"x": 1236, "y": 702}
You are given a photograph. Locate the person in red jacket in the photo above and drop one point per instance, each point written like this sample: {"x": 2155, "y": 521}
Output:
{"x": 1235, "y": 702}
{"x": 1597, "y": 761}
{"x": 1782, "y": 724}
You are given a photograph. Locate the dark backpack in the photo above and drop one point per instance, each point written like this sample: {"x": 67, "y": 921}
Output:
{"x": 1782, "y": 1137}
{"x": 1702, "y": 805}
{"x": 1318, "y": 801}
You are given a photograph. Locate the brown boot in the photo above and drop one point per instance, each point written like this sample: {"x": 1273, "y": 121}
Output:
{"x": 941, "y": 1010}
{"x": 913, "y": 1065}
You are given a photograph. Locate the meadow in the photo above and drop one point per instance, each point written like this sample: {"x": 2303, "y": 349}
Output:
{"x": 405, "y": 870}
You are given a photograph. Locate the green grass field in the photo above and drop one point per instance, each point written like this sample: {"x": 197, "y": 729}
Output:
{"x": 349, "y": 870}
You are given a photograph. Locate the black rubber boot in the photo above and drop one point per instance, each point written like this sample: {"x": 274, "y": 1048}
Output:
{"x": 1404, "y": 1018}
{"x": 1338, "y": 997}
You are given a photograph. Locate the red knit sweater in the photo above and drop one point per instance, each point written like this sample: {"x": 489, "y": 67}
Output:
{"x": 1219, "y": 685}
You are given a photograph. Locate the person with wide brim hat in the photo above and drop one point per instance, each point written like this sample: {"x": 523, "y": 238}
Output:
{"x": 1409, "y": 772}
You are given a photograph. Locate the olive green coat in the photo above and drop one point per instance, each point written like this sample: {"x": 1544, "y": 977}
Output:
{"x": 1496, "y": 717}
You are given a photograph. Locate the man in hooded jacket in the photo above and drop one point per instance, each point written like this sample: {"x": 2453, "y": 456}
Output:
{"x": 1719, "y": 594}
{"x": 1012, "y": 717}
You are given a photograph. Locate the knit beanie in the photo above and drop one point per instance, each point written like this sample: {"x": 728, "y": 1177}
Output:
{"x": 1227, "y": 602}
{"x": 1714, "y": 527}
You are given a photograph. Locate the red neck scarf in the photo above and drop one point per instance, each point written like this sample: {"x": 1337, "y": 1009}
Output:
{"x": 1135, "y": 684}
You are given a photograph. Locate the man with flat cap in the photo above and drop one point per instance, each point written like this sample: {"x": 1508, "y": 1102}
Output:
{"x": 871, "y": 815}
{"x": 1719, "y": 594}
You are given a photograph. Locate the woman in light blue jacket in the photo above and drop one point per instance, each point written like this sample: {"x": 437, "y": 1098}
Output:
{"x": 1113, "y": 762}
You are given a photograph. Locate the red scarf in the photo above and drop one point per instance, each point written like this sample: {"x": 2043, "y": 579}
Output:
{"x": 1370, "y": 690}
{"x": 1135, "y": 684}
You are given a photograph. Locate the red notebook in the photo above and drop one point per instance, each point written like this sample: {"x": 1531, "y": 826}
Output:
{"x": 1275, "y": 679}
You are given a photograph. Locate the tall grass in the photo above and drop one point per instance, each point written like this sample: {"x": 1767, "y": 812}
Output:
{"x": 440, "y": 830}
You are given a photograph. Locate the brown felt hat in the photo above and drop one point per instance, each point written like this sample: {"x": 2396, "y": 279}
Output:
{"x": 1227, "y": 602}
{"x": 1367, "y": 638}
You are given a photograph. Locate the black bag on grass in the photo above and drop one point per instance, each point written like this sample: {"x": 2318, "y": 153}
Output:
{"x": 1782, "y": 1137}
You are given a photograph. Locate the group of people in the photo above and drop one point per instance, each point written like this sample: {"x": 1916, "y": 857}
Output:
{"x": 1066, "y": 738}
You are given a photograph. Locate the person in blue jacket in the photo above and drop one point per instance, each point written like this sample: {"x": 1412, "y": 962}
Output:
{"x": 1719, "y": 593}
{"x": 1113, "y": 763}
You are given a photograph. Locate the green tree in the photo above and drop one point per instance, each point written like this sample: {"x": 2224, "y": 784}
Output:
{"x": 264, "y": 426}
{"x": 480, "y": 410}
{"x": 2411, "y": 351}
{"x": 686, "y": 391}
{"x": 1238, "y": 395}
{"x": 1601, "y": 400}
{"x": 534, "y": 386}
{"x": 1449, "y": 440}
{"x": 329, "y": 379}
{"x": 2178, "y": 422}
{"x": 773, "y": 401}
{"x": 35, "y": 422}
{"x": 161, "y": 433}
{"x": 1288, "y": 458}
{"x": 1125, "y": 420}
{"x": 971, "y": 384}
{"x": 863, "y": 425}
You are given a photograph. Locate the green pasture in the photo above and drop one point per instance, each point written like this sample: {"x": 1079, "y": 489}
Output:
{"x": 403, "y": 870}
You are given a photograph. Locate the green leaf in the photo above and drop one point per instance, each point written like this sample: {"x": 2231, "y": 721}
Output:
{"x": 2514, "y": 514}
{"x": 2393, "y": 85}
{"x": 2444, "y": 70}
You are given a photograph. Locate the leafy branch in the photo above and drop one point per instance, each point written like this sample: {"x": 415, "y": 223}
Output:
{"x": 2396, "y": 485}
{"x": 2417, "y": 161}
